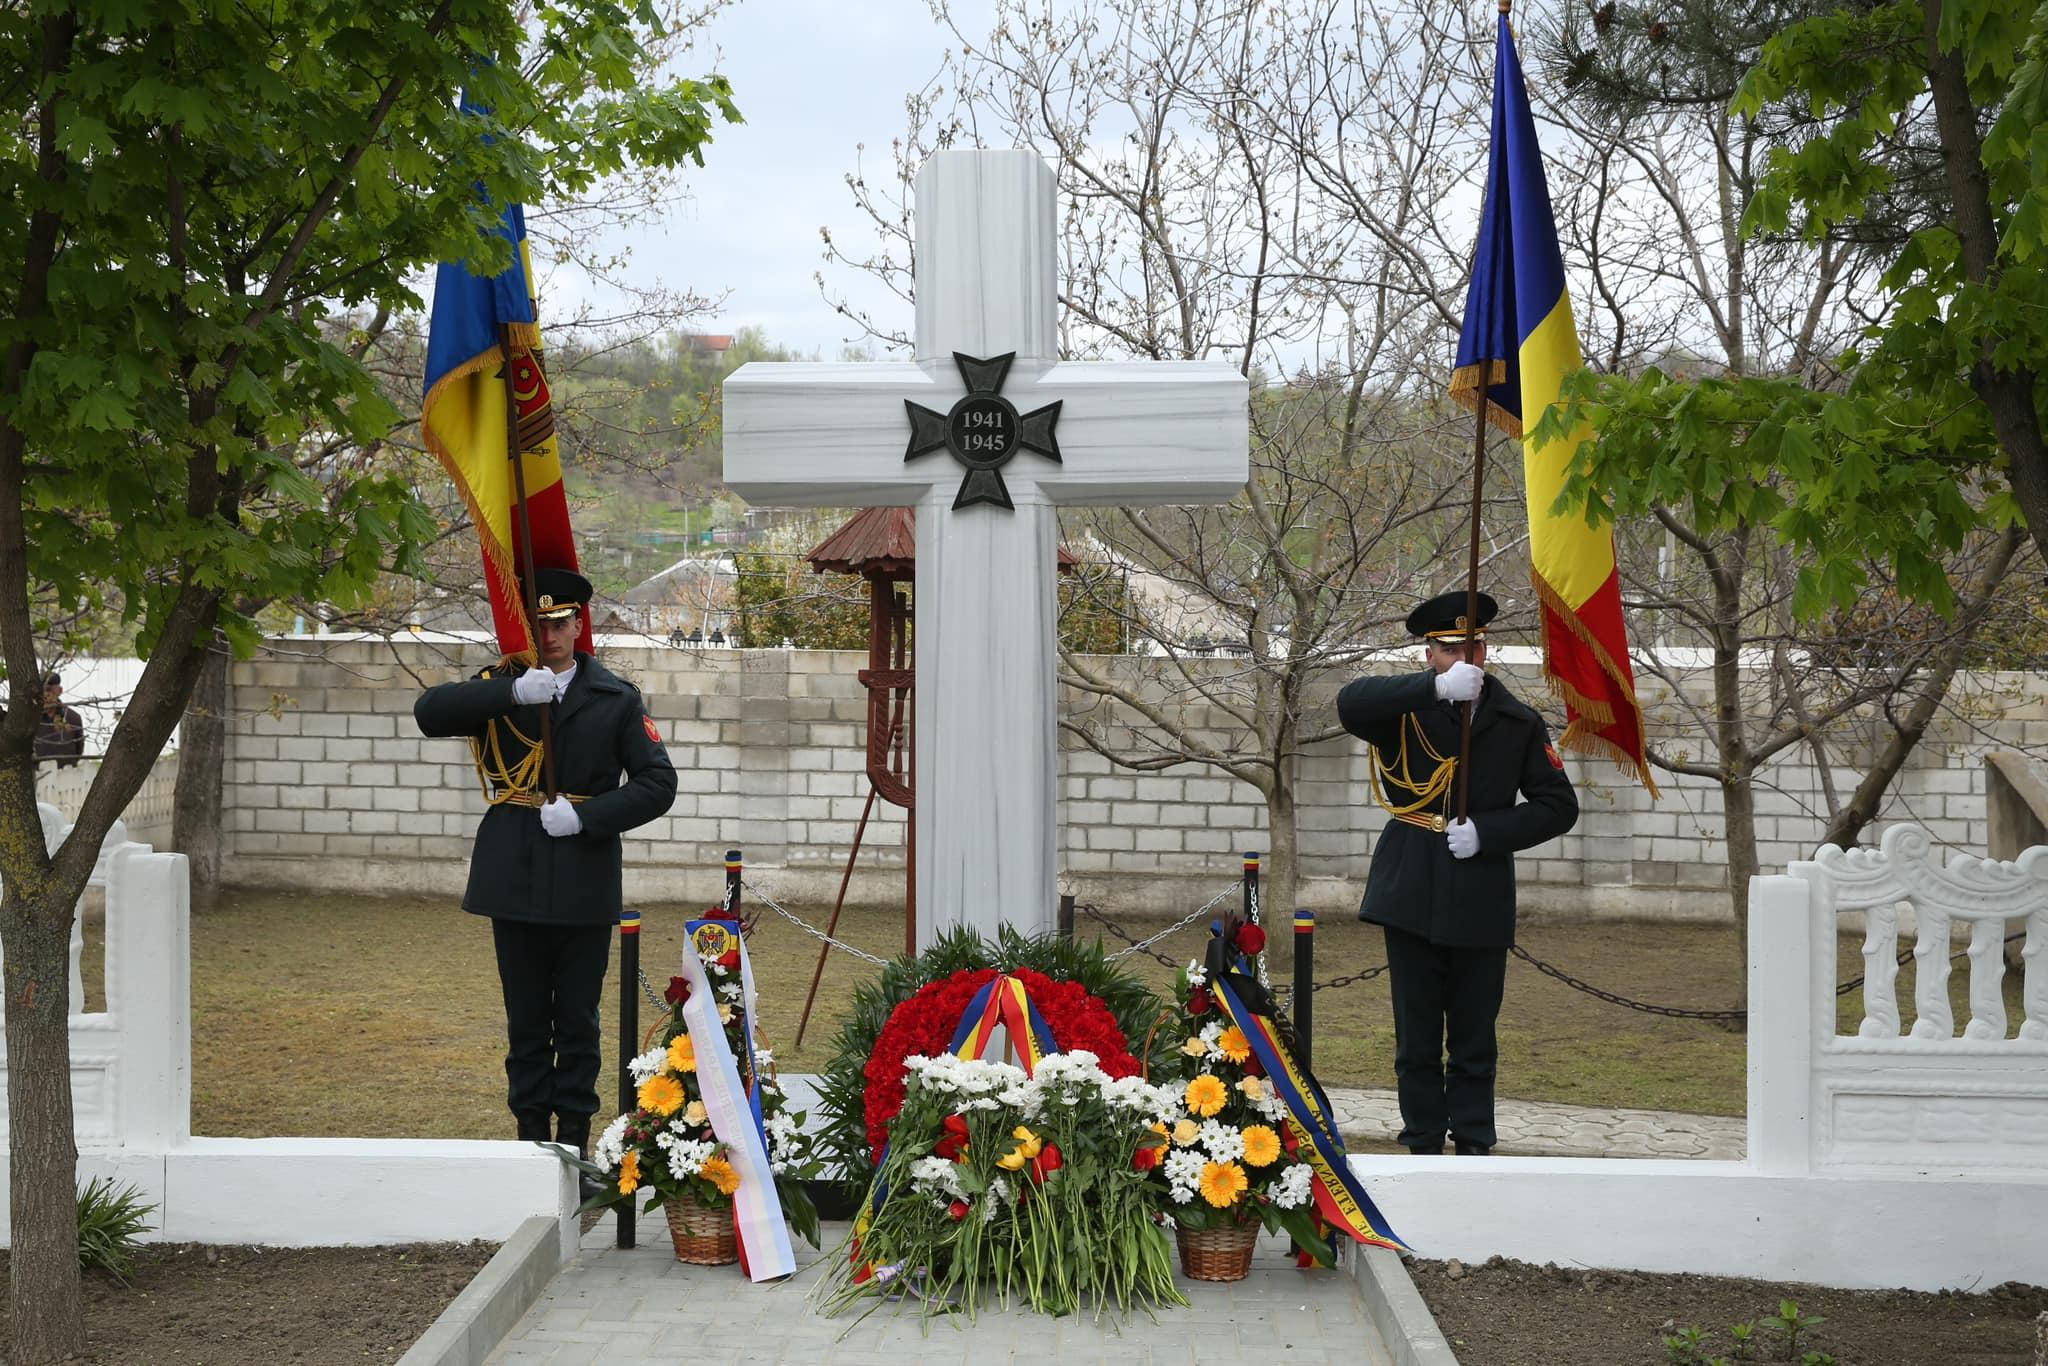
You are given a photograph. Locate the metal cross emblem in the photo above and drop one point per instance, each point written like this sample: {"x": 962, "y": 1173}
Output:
{"x": 982, "y": 431}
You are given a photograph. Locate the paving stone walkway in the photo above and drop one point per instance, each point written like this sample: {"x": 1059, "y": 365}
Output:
{"x": 642, "y": 1306}
{"x": 1531, "y": 1128}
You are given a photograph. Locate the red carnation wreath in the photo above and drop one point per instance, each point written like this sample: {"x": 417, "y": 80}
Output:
{"x": 924, "y": 1024}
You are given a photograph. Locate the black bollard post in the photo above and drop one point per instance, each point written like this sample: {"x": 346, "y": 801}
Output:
{"x": 1066, "y": 919}
{"x": 629, "y": 1040}
{"x": 734, "y": 866}
{"x": 1304, "y": 983}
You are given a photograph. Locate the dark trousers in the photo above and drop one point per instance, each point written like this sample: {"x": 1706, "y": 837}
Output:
{"x": 1445, "y": 999}
{"x": 553, "y": 979}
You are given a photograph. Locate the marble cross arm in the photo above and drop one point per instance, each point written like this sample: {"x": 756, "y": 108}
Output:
{"x": 1135, "y": 432}
{"x": 1129, "y": 432}
{"x": 828, "y": 434}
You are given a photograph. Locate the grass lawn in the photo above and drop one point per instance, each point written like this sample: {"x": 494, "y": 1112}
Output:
{"x": 343, "y": 1015}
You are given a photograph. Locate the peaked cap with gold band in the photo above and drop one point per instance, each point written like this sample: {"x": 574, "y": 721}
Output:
{"x": 1442, "y": 618}
{"x": 562, "y": 593}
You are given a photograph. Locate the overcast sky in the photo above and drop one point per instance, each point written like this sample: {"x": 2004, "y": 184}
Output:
{"x": 814, "y": 78}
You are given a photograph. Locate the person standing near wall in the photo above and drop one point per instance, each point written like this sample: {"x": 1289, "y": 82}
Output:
{"x": 1444, "y": 889}
{"x": 60, "y": 730}
{"x": 548, "y": 870}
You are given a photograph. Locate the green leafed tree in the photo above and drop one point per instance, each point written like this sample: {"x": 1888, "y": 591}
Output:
{"x": 194, "y": 190}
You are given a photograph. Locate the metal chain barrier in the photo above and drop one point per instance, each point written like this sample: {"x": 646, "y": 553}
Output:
{"x": 812, "y": 930}
{"x": 1675, "y": 1012}
{"x": 1136, "y": 946}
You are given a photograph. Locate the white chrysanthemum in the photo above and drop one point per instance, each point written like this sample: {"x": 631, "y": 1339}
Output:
{"x": 1197, "y": 975}
{"x": 1184, "y": 1174}
{"x": 648, "y": 1063}
{"x": 1211, "y": 1032}
{"x": 611, "y": 1144}
{"x": 1291, "y": 1191}
{"x": 686, "y": 1156}
{"x": 937, "y": 1174}
{"x": 763, "y": 1057}
{"x": 1271, "y": 1107}
{"x": 731, "y": 991}
{"x": 1224, "y": 1141}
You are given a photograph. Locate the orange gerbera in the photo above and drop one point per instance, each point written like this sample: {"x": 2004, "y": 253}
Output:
{"x": 1206, "y": 1095}
{"x": 662, "y": 1094}
{"x": 629, "y": 1174}
{"x": 1222, "y": 1183}
{"x": 682, "y": 1054}
{"x": 1232, "y": 1044}
{"x": 720, "y": 1173}
{"x": 1261, "y": 1145}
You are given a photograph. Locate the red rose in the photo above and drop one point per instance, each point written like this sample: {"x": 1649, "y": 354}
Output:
{"x": 953, "y": 1146}
{"x": 1252, "y": 1066}
{"x": 729, "y": 960}
{"x": 1148, "y": 1156}
{"x": 958, "y": 1209}
{"x": 1198, "y": 1001}
{"x": 678, "y": 991}
{"x": 718, "y": 913}
{"x": 1250, "y": 938}
{"x": 1046, "y": 1163}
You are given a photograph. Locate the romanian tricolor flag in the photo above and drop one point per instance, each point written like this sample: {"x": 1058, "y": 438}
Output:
{"x": 1517, "y": 345}
{"x": 484, "y": 335}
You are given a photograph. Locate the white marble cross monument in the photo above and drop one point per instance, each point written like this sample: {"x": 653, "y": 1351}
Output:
{"x": 986, "y": 451}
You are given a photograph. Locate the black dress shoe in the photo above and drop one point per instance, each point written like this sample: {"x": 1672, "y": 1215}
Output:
{"x": 1465, "y": 1149}
{"x": 1435, "y": 1149}
{"x": 573, "y": 1134}
{"x": 532, "y": 1129}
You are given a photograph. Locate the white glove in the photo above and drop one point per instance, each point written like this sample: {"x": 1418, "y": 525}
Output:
{"x": 535, "y": 686}
{"x": 559, "y": 818}
{"x": 1461, "y": 682}
{"x": 1462, "y": 835}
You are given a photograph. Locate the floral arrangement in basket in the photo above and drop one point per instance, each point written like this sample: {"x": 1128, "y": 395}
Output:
{"x": 1003, "y": 1187}
{"x": 666, "y": 1144}
{"x": 1229, "y": 1160}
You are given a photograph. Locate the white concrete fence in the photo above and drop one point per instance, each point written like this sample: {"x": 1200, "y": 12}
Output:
{"x": 131, "y": 1086}
{"x": 1879, "y": 1158}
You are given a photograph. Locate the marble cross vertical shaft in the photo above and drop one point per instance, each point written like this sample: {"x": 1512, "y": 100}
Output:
{"x": 1123, "y": 433}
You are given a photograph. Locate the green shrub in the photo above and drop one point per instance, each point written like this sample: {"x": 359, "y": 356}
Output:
{"x": 109, "y": 1219}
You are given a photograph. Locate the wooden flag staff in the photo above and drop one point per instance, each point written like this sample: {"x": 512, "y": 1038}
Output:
{"x": 528, "y": 578}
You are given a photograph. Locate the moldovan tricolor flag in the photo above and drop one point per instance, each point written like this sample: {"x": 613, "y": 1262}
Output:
{"x": 464, "y": 421}
{"x": 1518, "y": 344}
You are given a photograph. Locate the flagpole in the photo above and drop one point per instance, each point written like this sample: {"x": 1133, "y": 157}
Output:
{"x": 524, "y": 525}
{"x": 1471, "y": 619}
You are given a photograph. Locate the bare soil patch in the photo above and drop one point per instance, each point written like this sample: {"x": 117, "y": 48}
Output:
{"x": 1506, "y": 1313}
{"x": 249, "y": 1306}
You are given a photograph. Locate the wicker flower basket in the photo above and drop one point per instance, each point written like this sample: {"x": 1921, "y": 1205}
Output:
{"x": 1216, "y": 1254}
{"x": 703, "y": 1236}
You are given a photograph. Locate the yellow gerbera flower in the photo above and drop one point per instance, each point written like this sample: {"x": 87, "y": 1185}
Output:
{"x": 694, "y": 1112}
{"x": 662, "y": 1094}
{"x": 1253, "y": 1087}
{"x": 682, "y": 1054}
{"x": 1261, "y": 1145}
{"x": 1222, "y": 1183}
{"x": 629, "y": 1174}
{"x": 1232, "y": 1044}
{"x": 1185, "y": 1132}
{"x": 720, "y": 1173}
{"x": 1195, "y": 1046}
{"x": 1205, "y": 1096}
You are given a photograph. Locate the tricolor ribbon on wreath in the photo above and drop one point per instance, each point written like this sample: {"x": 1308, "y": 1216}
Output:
{"x": 733, "y": 1107}
{"x": 1311, "y": 1131}
{"x": 1002, "y": 1001}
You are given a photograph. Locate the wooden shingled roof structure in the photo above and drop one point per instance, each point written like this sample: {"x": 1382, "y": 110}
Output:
{"x": 882, "y": 543}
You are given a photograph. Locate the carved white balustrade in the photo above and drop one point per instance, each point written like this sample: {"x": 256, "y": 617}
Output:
{"x": 1933, "y": 1098}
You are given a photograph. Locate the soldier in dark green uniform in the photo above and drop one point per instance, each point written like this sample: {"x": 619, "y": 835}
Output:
{"x": 1444, "y": 889}
{"x": 548, "y": 872}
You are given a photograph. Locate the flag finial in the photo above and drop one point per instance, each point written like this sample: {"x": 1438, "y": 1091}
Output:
{"x": 1506, "y": 6}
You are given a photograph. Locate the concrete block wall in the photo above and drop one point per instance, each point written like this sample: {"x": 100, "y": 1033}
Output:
{"x": 329, "y": 784}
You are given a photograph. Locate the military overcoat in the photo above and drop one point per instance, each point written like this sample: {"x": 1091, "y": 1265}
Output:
{"x": 1520, "y": 798}
{"x": 608, "y": 753}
